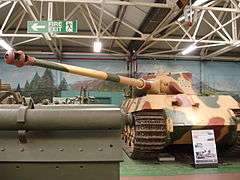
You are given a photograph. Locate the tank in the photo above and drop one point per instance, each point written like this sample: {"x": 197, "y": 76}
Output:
{"x": 7, "y": 96}
{"x": 164, "y": 112}
{"x": 84, "y": 98}
{"x": 4, "y": 87}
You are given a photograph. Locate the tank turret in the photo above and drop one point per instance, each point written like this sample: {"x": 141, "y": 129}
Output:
{"x": 161, "y": 83}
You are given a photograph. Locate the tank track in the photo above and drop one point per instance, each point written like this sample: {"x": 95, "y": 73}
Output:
{"x": 147, "y": 135}
{"x": 234, "y": 151}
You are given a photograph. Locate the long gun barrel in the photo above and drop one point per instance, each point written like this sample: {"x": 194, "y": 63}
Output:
{"x": 19, "y": 58}
{"x": 162, "y": 84}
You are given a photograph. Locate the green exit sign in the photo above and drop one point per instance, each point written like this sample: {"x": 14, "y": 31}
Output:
{"x": 52, "y": 26}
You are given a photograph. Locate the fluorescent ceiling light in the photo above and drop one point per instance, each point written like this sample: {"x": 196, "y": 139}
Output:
{"x": 189, "y": 49}
{"x": 199, "y": 2}
{"x": 97, "y": 46}
{"x": 5, "y": 45}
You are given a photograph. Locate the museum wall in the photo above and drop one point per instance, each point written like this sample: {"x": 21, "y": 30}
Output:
{"x": 208, "y": 76}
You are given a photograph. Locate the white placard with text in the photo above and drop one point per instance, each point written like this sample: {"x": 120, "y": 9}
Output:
{"x": 204, "y": 146}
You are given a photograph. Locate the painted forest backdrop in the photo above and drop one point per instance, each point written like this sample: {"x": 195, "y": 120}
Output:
{"x": 221, "y": 77}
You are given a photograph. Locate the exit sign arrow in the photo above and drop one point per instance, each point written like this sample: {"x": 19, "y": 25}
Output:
{"x": 35, "y": 27}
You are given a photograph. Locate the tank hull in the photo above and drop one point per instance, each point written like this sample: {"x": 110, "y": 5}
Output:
{"x": 182, "y": 113}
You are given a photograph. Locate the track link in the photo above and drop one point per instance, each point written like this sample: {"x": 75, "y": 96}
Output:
{"x": 234, "y": 151}
{"x": 146, "y": 137}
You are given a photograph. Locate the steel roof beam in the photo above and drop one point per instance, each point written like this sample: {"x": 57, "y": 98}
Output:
{"x": 27, "y": 41}
{"x": 84, "y": 44}
{"x": 117, "y": 2}
{"x": 180, "y": 20}
{"x": 18, "y": 25}
{"x": 110, "y": 34}
{"x": 46, "y": 36}
{"x": 4, "y": 4}
{"x": 137, "y": 3}
{"x": 221, "y": 17}
{"x": 120, "y": 14}
{"x": 219, "y": 24}
{"x": 136, "y": 46}
{"x": 16, "y": 15}
{"x": 110, "y": 37}
{"x": 123, "y": 21}
{"x": 190, "y": 58}
{"x": 220, "y": 9}
{"x": 8, "y": 16}
{"x": 223, "y": 50}
{"x": 88, "y": 22}
{"x": 109, "y": 2}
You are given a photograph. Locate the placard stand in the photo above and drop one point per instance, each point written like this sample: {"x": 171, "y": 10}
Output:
{"x": 204, "y": 148}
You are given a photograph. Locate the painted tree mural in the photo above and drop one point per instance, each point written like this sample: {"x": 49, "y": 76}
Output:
{"x": 41, "y": 88}
{"x": 34, "y": 82}
{"x": 18, "y": 89}
{"x": 63, "y": 85}
{"x": 27, "y": 86}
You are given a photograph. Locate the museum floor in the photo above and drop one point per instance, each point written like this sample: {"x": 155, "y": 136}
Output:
{"x": 149, "y": 170}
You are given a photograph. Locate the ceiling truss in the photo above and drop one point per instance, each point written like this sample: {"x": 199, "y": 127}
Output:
{"x": 223, "y": 37}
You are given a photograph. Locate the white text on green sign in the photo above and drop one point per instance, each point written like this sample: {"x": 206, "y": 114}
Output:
{"x": 52, "y": 26}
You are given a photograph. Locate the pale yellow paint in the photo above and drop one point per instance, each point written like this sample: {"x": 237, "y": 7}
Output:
{"x": 198, "y": 116}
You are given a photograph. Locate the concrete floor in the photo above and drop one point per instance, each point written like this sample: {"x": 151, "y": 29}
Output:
{"x": 226, "y": 176}
{"x": 134, "y": 169}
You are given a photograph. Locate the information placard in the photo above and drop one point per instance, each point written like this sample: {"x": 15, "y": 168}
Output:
{"x": 204, "y": 147}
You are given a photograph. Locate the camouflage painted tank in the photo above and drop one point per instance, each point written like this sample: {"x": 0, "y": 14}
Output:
{"x": 167, "y": 116}
{"x": 165, "y": 113}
